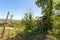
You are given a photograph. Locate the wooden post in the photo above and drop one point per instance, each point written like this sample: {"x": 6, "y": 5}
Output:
{"x": 2, "y": 34}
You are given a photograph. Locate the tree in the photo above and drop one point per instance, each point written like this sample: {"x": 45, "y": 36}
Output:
{"x": 48, "y": 7}
{"x": 29, "y": 20}
{"x": 31, "y": 27}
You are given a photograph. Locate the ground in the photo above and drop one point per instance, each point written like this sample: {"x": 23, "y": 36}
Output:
{"x": 10, "y": 31}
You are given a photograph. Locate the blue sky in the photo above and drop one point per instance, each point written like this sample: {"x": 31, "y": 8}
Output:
{"x": 18, "y": 8}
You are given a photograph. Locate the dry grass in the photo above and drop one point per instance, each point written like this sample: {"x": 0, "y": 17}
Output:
{"x": 10, "y": 31}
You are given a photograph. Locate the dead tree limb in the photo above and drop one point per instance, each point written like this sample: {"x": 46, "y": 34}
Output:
{"x": 5, "y": 22}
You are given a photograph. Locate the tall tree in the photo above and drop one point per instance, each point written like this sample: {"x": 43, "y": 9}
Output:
{"x": 47, "y": 7}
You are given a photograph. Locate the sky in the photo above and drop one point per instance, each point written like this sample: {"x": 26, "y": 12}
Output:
{"x": 18, "y": 8}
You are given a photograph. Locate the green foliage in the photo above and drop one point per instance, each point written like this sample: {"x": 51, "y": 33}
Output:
{"x": 50, "y": 9}
{"x": 1, "y": 24}
{"x": 30, "y": 24}
{"x": 29, "y": 21}
{"x": 47, "y": 7}
{"x": 56, "y": 25}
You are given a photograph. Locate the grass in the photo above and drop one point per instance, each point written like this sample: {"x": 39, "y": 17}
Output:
{"x": 11, "y": 31}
